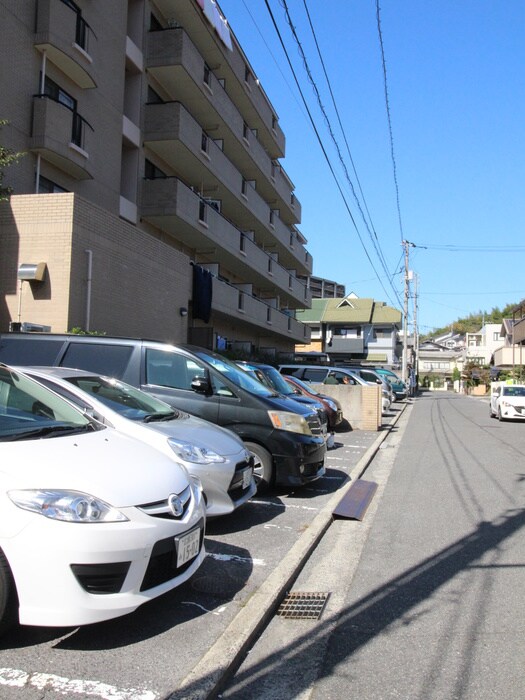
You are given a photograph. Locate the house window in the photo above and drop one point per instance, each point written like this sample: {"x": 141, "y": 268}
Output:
{"x": 46, "y": 186}
{"x": 496, "y": 336}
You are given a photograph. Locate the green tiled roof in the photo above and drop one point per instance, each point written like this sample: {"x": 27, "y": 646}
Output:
{"x": 349, "y": 310}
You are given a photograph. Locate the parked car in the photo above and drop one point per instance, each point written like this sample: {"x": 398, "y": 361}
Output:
{"x": 285, "y": 437}
{"x": 332, "y": 375}
{"x": 215, "y": 455}
{"x": 272, "y": 378}
{"x": 93, "y": 523}
{"x": 370, "y": 375}
{"x": 398, "y": 385}
{"x": 331, "y": 404}
{"x": 507, "y": 401}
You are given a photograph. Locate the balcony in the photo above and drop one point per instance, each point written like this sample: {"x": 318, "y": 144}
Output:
{"x": 230, "y": 301}
{"x": 62, "y": 137}
{"x": 177, "y": 138}
{"x": 346, "y": 345}
{"x": 66, "y": 39}
{"x": 172, "y": 206}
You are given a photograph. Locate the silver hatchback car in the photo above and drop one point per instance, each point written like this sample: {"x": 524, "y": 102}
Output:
{"x": 214, "y": 454}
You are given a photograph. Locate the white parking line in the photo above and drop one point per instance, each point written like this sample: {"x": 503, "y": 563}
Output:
{"x": 281, "y": 505}
{"x": 16, "y": 678}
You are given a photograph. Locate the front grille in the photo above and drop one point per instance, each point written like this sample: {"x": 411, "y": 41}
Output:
{"x": 237, "y": 479}
{"x": 101, "y": 578}
{"x": 314, "y": 424}
{"x": 162, "y": 565}
{"x": 161, "y": 509}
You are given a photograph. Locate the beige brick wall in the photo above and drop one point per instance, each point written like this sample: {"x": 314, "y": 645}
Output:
{"x": 138, "y": 281}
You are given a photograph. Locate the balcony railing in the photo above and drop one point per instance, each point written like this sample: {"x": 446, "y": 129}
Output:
{"x": 62, "y": 136}
{"x": 67, "y": 39}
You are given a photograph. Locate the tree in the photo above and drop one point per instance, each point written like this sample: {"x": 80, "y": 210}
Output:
{"x": 7, "y": 157}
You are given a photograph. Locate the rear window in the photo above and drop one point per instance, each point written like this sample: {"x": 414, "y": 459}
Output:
{"x": 98, "y": 358}
{"x": 29, "y": 351}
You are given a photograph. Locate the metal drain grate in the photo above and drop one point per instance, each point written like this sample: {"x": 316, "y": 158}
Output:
{"x": 304, "y": 606}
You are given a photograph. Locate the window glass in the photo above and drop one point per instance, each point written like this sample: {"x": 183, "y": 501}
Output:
{"x": 314, "y": 374}
{"x": 100, "y": 358}
{"x": 171, "y": 369}
{"x": 29, "y": 351}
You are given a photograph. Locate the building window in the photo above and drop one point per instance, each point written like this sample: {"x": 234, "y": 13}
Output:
{"x": 151, "y": 172}
{"x": 55, "y": 92}
{"x": 496, "y": 336}
{"x": 207, "y": 75}
{"x": 203, "y": 211}
{"x": 46, "y": 186}
{"x": 153, "y": 97}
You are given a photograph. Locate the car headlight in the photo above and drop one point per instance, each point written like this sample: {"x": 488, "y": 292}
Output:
{"x": 192, "y": 453}
{"x": 293, "y": 422}
{"x": 69, "y": 506}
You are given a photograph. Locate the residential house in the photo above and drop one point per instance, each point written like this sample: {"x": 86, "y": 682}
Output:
{"x": 511, "y": 352}
{"x": 353, "y": 330}
{"x": 480, "y": 346}
{"x": 436, "y": 362}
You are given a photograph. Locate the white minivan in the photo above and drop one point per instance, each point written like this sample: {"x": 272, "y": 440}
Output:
{"x": 93, "y": 523}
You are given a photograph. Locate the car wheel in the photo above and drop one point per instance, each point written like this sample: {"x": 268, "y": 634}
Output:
{"x": 8, "y": 596}
{"x": 263, "y": 467}
{"x": 500, "y": 417}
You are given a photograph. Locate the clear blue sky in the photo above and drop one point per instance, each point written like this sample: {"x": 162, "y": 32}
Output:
{"x": 456, "y": 83}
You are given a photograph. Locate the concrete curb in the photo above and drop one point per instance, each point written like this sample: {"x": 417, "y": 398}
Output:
{"x": 205, "y": 680}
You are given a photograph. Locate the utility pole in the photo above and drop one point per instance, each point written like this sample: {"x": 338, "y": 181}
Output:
{"x": 416, "y": 331}
{"x": 406, "y": 245}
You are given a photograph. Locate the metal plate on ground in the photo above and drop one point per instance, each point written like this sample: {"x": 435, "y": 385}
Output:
{"x": 354, "y": 503}
{"x": 303, "y": 606}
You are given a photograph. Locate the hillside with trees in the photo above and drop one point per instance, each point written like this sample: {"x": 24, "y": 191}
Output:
{"x": 473, "y": 322}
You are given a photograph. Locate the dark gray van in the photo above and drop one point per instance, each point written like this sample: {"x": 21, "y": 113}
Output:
{"x": 285, "y": 436}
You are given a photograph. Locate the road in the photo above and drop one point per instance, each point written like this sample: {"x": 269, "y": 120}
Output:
{"x": 147, "y": 655}
{"x": 426, "y": 593}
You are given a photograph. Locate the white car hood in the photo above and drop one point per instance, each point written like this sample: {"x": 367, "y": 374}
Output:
{"x": 201, "y": 433}
{"x": 116, "y": 468}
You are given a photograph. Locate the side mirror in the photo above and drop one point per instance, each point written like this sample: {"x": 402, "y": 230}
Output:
{"x": 201, "y": 385}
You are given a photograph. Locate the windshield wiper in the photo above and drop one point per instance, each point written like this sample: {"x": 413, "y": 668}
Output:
{"x": 155, "y": 417}
{"x": 49, "y": 431}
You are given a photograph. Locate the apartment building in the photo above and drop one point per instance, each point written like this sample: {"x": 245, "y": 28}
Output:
{"x": 321, "y": 288}
{"x": 151, "y": 198}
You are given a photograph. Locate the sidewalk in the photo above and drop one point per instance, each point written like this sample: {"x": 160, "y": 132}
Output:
{"x": 208, "y": 676}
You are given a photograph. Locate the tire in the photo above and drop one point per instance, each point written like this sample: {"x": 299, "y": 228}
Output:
{"x": 500, "y": 417}
{"x": 263, "y": 471}
{"x": 8, "y": 596}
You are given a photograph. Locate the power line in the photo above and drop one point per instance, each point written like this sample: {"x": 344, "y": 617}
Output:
{"x": 375, "y": 243}
{"x": 322, "y": 145}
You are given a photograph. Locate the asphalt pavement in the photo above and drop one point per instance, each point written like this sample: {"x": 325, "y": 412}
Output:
{"x": 211, "y": 674}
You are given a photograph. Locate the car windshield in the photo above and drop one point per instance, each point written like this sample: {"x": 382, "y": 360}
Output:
{"x": 124, "y": 398}
{"x": 235, "y": 374}
{"x": 30, "y": 411}
{"x": 272, "y": 378}
{"x": 310, "y": 389}
{"x": 513, "y": 391}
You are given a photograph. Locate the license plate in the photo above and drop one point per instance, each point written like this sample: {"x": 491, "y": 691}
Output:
{"x": 246, "y": 478}
{"x": 187, "y": 546}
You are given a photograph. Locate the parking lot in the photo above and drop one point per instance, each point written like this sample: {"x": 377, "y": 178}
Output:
{"x": 148, "y": 655}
